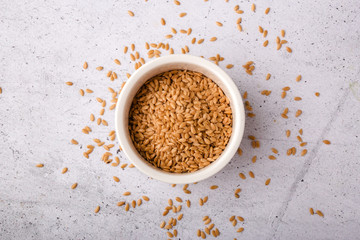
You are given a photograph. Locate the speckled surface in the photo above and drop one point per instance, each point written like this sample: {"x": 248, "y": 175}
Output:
{"x": 44, "y": 44}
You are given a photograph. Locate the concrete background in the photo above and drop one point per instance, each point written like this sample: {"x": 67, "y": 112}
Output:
{"x": 44, "y": 44}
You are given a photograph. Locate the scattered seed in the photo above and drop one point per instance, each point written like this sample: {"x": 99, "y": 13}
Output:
{"x": 229, "y": 66}
{"x": 297, "y": 98}
{"x": 239, "y": 151}
{"x": 69, "y": 83}
{"x": 311, "y": 211}
{"x": 131, "y": 14}
{"x": 219, "y": 24}
{"x": 298, "y": 113}
{"x": 39, "y": 165}
{"x": 268, "y": 76}
{"x": 213, "y": 39}
{"x": 267, "y": 10}
{"x": 317, "y": 94}
{"x": 242, "y": 175}
{"x": 74, "y": 186}
{"x": 127, "y": 193}
{"x": 127, "y": 207}
{"x": 97, "y": 209}
{"x": 267, "y": 182}
{"x": 85, "y": 66}
{"x": 327, "y": 142}
{"x": 320, "y": 213}
{"x": 253, "y": 7}
{"x": 163, "y": 22}
{"x": 213, "y": 187}
{"x": 266, "y": 43}
{"x": 251, "y": 174}
{"x": 146, "y": 198}
{"x": 240, "y": 229}
{"x": 116, "y": 179}
{"x": 298, "y": 78}
{"x": 289, "y": 49}
{"x": 176, "y": 2}
{"x": 182, "y": 15}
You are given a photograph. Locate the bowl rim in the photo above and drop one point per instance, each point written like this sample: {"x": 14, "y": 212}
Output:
{"x": 181, "y": 178}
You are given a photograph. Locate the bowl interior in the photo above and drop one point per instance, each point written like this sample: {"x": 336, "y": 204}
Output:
{"x": 164, "y": 64}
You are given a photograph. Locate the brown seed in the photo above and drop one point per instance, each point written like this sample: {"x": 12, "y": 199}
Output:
{"x": 274, "y": 150}
{"x": 127, "y": 207}
{"x": 311, "y": 211}
{"x": 298, "y": 113}
{"x": 283, "y": 94}
{"x": 176, "y": 2}
{"x": 85, "y": 66}
{"x": 298, "y": 78}
{"x": 213, "y": 187}
{"x": 0, "y": 90}
{"x": 133, "y": 203}
{"x": 64, "y": 170}
{"x": 162, "y": 224}
{"x": 317, "y": 94}
{"x": 200, "y": 41}
{"x": 163, "y": 22}
{"x": 74, "y": 186}
{"x": 116, "y": 179}
{"x": 229, "y": 66}
{"x": 303, "y": 152}
{"x": 297, "y": 98}
{"x": 39, "y": 165}
{"x": 251, "y": 174}
{"x": 188, "y": 203}
{"x": 119, "y": 204}
{"x": 242, "y": 175}
{"x": 267, "y": 182}
{"x": 241, "y": 219}
{"x": 213, "y": 39}
{"x": 261, "y": 30}
{"x": 240, "y": 151}
{"x": 97, "y": 209}
{"x": 117, "y": 61}
{"x": 320, "y": 213}
{"x": 268, "y": 76}
{"x": 131, "y": 14}
{"x": 253, "y": 7}
{"x": 254, "y": 158}
{"x": 178, "y": 199}
{"x": 240, "y": 229}
{"x": 182, "y": 14}
{"x": 81, "y": 91}
{"x": 267, "y": 10}
{"x": 219, "y": 24}
{"x": 73, "y": 141}
{"x": 266, "y": 43}
{"x": 69, "y": 83}
{"x": 272, "y": 157}
{"x": 168, "y": 36}
{"x": 127, "y": 193}
{"x": 265, "y": 33}
{"x": 289, "y": 49}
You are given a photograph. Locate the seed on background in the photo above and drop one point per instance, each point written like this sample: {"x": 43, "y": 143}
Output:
{"x": 74, "y": 186}
{"x": 182, "y": 14}
{"x": 268, "y": 76}
{"x": 200, "y": 41}
{"x": 97, "y": 209}
{"x": 188, "y": 203}
{"x": 85, "y": 66}
{"x": 0, "y": 90}
{"x": 127, "y": 207}
{"x": 213, "y": 187}
{"x": 127, "y": 193}
{"x": 39, "y": 165}
{"x": 219, "y": 24}
{"x": 265, "y": 33}
{"x": 69, "y": 83}
{"x": 303, "y": 152}
{"x": 89, "y": 90}
{"x": 283, "y": 94}
{"x": 162, "y": 224}
{"x": 298, "y": 113}
{"x": 64, "y": 170}
{"x": 198, "y": 232}
{"x": 163, "y": 22}
{"x": 267, "y": 182}
{"x": 241, "y": 219}
{"x": 201, "y": 202}
{"x": 146, "y": 198}
{"x": 298, "y": 78}
{"x": 272, "y": 157}
{"x": 176, "y": 2}
{"x": 229, "y": 66}
{"x": 318, "y": 212}
{"x": 282, "y": 33}
{"x": 125, "y": 49}
{"x": 317, "y": 94}
{"x": 116, "y": 179}
{"x": 213, "y": 39}
{"x": 81, "y": 91}
{"x": 178, "y": 199}
{"x": 240, "y": 229}
{"x": 261, "y": 30}
{"x": 117, "y": 61}
{"x": 327, "y": 142}
{"x": 205, "y": 199}
{"x": 274, "y": 150}
{"x": 131, "y": 14}
{"x": 245, "y": 95}
{"x": 189, "y": 31}
{"x": 73, "y": 141}
{"x": 240, "y": 151}
{"x": 242, "y": 175}
{"x": 253, "y": 7}
{"x": 168, "y": 36}
{"x": 289, "y": 49}
{"x": 266, "y": 43}
{"x": 267, "y": 10}
{"x": 254, "y": 158}
{"x": 133, "y": 203}
{"x": 311, "y": 211}
{"x": 297, "y": 98}
{"x": 251, "y": 174}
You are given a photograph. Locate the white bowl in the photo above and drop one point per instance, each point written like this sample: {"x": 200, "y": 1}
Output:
{"x": 163, "y": 64}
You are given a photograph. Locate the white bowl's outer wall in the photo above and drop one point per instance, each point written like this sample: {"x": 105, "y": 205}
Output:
{"x": 163, "y": 64}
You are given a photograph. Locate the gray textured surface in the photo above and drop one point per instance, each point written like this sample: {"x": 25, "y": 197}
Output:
{"x": 44, "y": 44}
